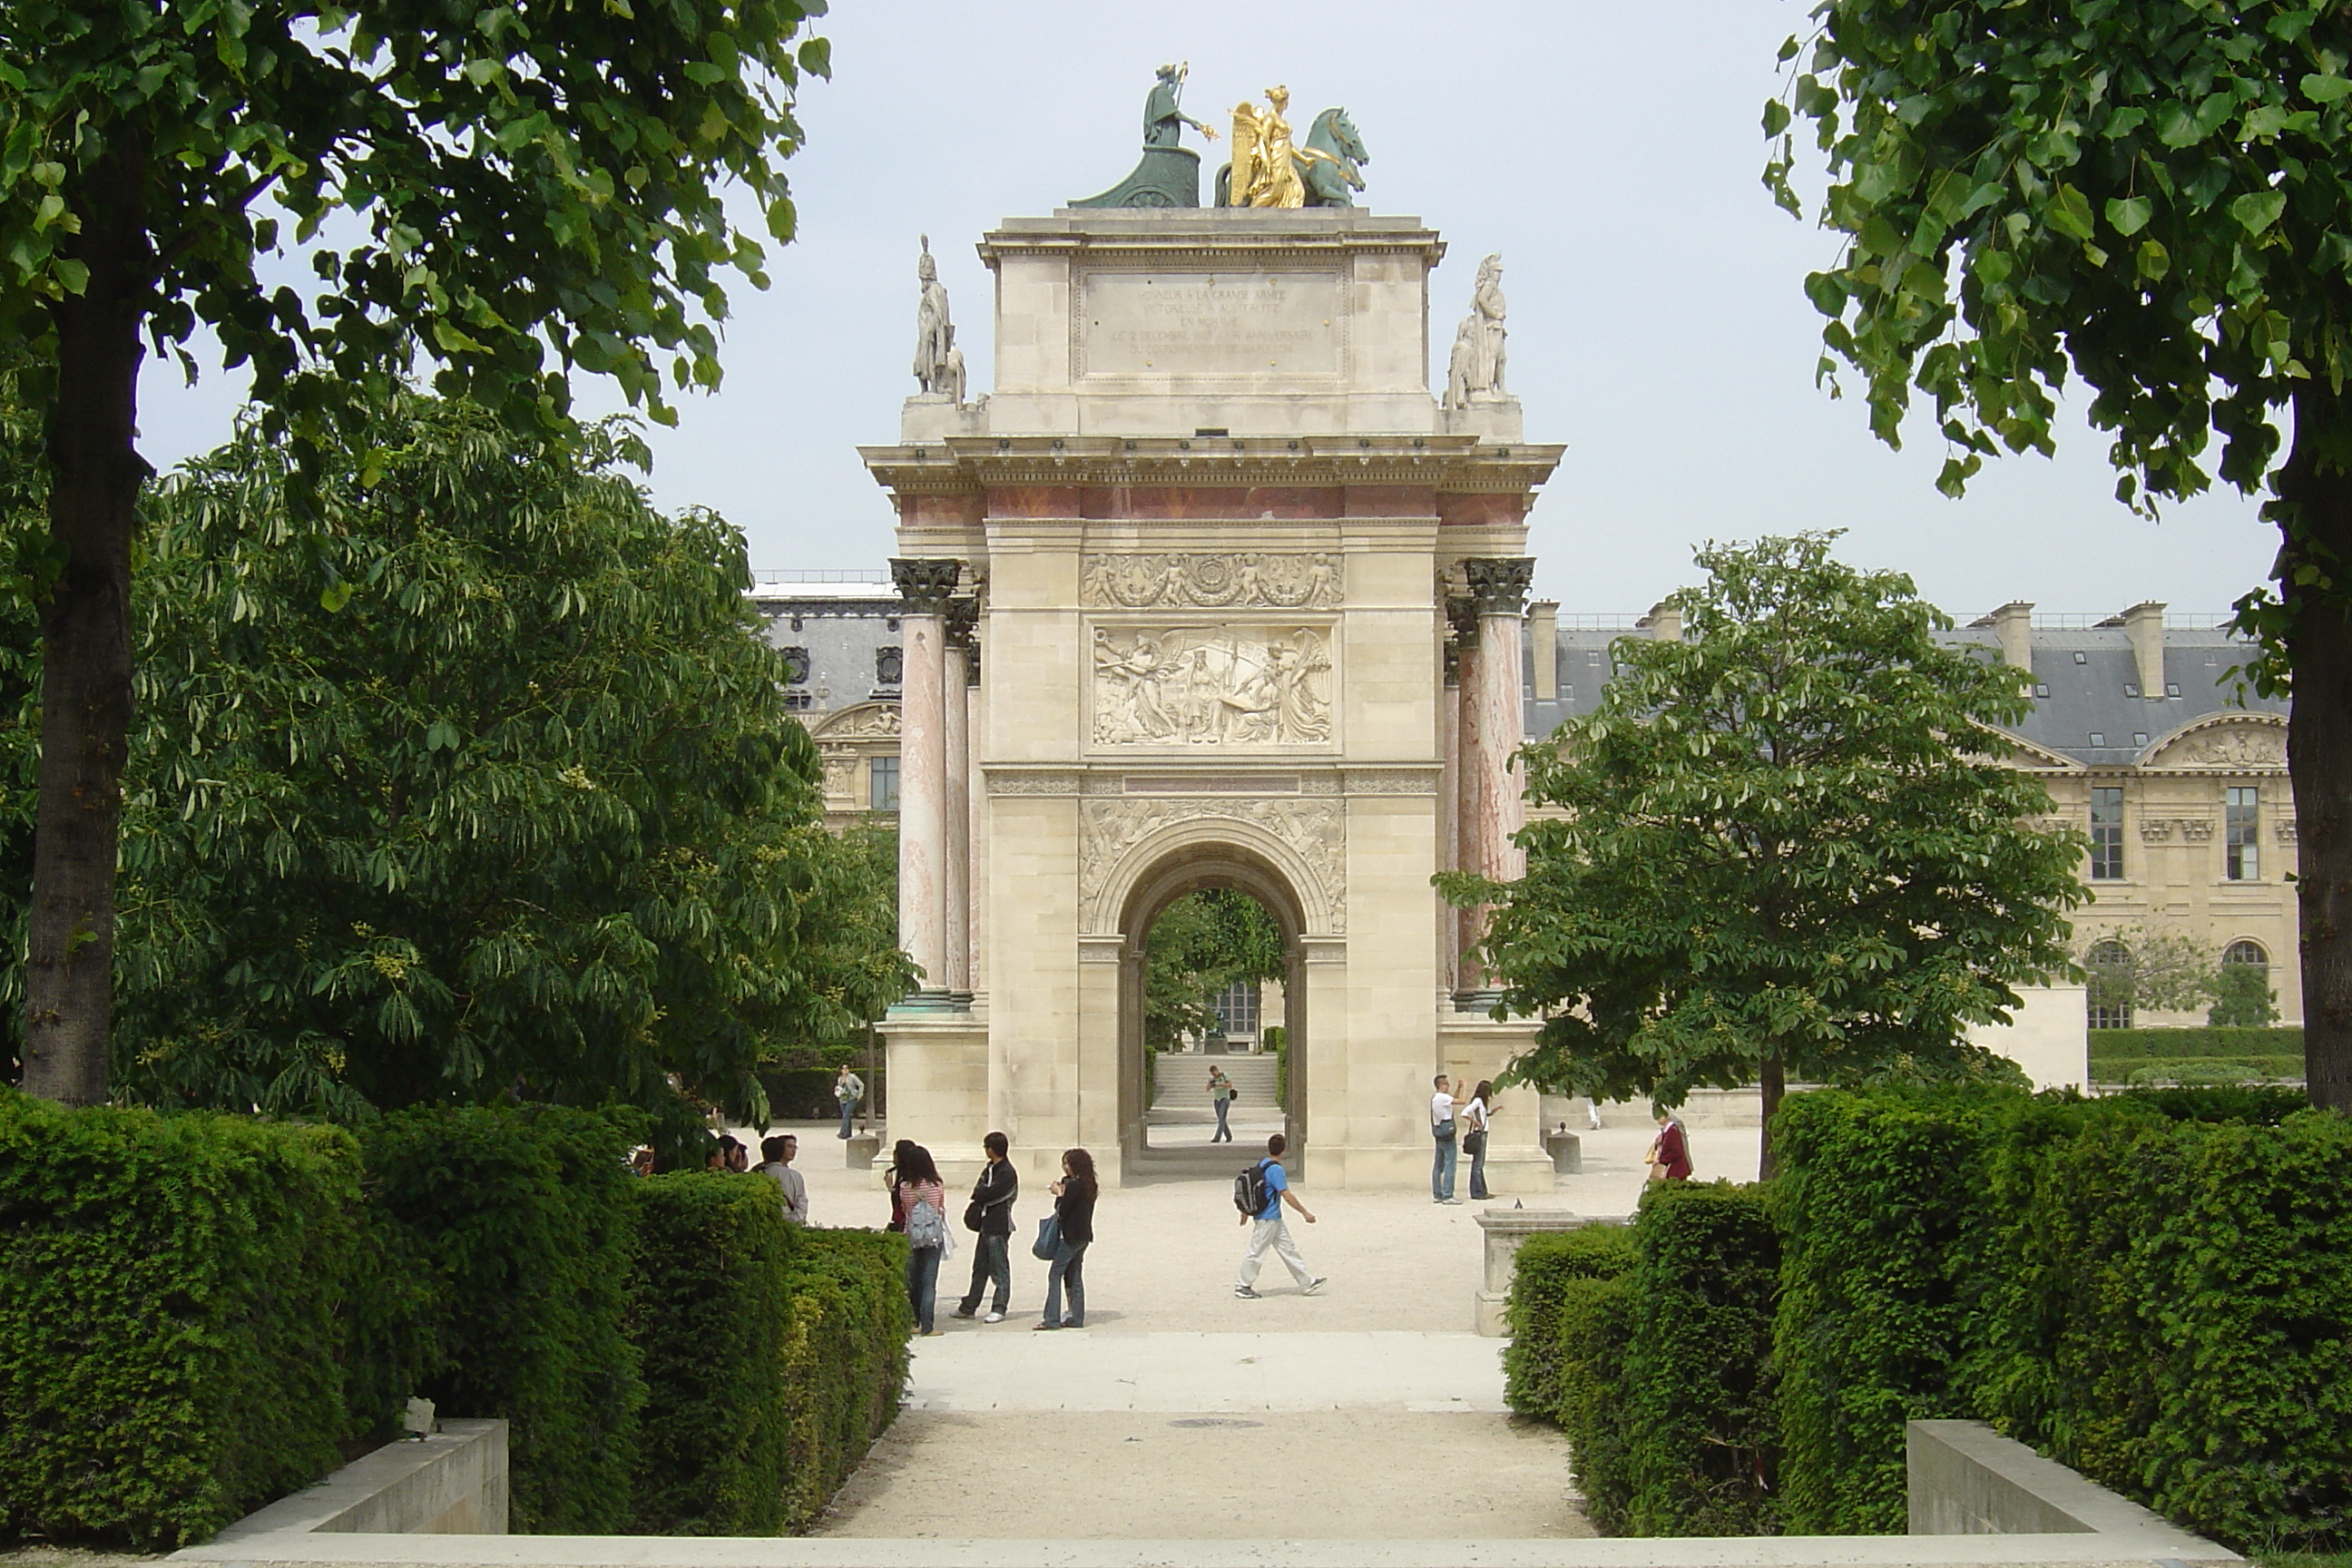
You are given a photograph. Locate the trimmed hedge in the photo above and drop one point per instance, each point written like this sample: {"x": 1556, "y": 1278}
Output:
{"x": 711, "y": 1314}
{"x": 1880, "y": 1207}
{"x": 2109, "y": 1046}
{"x": 1570, "y": 1321}
{"x": 166, "y": 1286}
{"x": 512, "y": 1231}
{"x": 1700, "y": 1432}
{"x": 844, "y": 1358}
{"x": 2148, "y": 1071}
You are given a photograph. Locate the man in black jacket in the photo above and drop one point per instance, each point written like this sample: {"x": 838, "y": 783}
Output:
{"x": 991, "y": 1214}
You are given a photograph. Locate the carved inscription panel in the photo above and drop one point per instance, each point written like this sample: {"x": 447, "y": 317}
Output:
{"x": 1212, "y": 686}
{"x": 1219, "y": 325}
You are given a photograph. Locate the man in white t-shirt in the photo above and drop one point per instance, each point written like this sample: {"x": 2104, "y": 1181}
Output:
{"x": 1441, "y": 1132}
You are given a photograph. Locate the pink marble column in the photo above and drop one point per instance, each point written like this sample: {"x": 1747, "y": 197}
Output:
{"x": 924, "y": 586}
{"x": 1449, "y": 814}
{"x": 1491, "y": 703}
{"x": 1468, "y": 856}
{"x": 976, "y": 826}
{"x": 956, "y": 698}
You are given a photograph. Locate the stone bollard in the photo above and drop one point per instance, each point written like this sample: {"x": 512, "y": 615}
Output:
{"x": 1505, "y": 1230}
{"x": 860, "y": 1149}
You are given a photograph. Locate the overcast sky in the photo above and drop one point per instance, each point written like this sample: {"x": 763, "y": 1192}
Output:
{"x": 1610, "y": 153}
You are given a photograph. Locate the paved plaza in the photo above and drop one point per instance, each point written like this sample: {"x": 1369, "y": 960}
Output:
{"x": 1369, "y": 1409}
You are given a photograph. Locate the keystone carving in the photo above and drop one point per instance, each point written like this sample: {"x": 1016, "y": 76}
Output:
{"x": 1313, "y": 830}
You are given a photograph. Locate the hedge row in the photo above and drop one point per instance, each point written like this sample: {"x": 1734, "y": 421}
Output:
{"x": 2139, "y": 1071}
{"x": 2155, "y": 1289}
{"x": 165, "y": 1288}
{"x": 1650, "y": 1347}
{"x": 199, "y": 1313}
{"x": 2117, "y": 1044}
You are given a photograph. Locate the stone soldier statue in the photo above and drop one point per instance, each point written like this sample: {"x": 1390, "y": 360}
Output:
{"x": 1475, "y": 368}
{"x": 934, "y": 333}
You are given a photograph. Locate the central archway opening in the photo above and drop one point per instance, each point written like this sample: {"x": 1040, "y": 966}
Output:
{"x": 1212, "y": 1005}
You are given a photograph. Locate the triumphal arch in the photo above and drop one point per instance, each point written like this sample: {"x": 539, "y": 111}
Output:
{"x": 1208, "y": 589}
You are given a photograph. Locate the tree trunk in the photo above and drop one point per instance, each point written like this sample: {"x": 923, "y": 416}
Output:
{"x": 1773, "y": 1081}
{"x": 95, "y": 475}
{"x": 2317, "y": 482}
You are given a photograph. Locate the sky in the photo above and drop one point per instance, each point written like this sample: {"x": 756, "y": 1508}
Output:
{"x": 1609, "y": 153}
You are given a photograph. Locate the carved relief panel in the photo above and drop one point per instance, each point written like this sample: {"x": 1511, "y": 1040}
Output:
{"x": 1260, "y": 580}
{"x": 1212, "y": 686}
{"x": 1316, "y": 830}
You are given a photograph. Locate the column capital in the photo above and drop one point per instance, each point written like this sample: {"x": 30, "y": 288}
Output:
{"x": 962, "y": 622}
{"x": 1499, "y": 583}
{"x": 925, "y": 584}
{"x": 1462, "y": 619}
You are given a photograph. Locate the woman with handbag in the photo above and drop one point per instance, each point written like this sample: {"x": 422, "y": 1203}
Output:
{"x": 1073, "y": 1221}
{"x": 1669, "y": 1155}
{"x": 1475, "y": 1117}
{"x": 922, "y": 1197}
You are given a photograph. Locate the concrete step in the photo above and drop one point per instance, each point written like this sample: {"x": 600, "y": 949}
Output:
{"x": 1181, "y": 1080}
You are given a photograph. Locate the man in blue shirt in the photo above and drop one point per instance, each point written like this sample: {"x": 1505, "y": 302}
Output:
{"x": 1267, "y": 1229}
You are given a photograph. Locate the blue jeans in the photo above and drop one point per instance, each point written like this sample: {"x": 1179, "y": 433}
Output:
{"x": 1440, "y": 1169}
{"x": 1478, "y": 1191}
{"x": 1069, "y": 1266}
{"x": 923, "y": 1285}
{"x": 848, "y": 1112}
{"x": 1224, "y": 1133}
{"x": 992, "y": 1263}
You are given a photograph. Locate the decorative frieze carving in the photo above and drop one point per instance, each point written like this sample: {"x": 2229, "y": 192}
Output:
{"x": 1034, "y": 780}
{"x": 2197, "y": 829}
{"x": 1391, "y": 781}
{"x": 2285, "y": 828}
{"x": 2156, "y": 829}
{"x": 1212, "y": 686}
{"x": 866, "y": 721}
{"x": 1253, "y": 580}
{"x": 1313, "y": 830}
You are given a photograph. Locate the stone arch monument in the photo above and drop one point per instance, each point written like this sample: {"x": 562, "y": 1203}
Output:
{"x": 1203, "y": 593}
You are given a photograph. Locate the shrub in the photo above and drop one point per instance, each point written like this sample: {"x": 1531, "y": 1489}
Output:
{"x": 1701, "y": 1435}
{"x": 2197, "y": 1071}
{"x": 844, "y": 1358}
{"x": 711, "y": 1317}
{"x": 170, "y": 1291}
{"x": 2109, "y": 1045}
{"x": 1880, "y": 1208}
{"x": 1546, "y": 1265}
{"x": 514, "y": 1230}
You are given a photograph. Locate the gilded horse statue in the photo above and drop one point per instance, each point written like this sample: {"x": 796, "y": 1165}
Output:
{"x": 1275, "y": 174}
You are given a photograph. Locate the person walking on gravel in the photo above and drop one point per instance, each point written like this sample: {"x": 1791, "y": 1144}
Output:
{"x": 1220, "y": 1097}
{"x": 1267, "y": 1229}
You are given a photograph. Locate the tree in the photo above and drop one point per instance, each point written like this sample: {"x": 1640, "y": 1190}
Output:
{"x": 1778, "y": 849}
{"x": 1201, "y": 944}
{"x": 2242, "y": 996}
{"x": 511, "y": 192}
{"x": 2131, "y": 968}
{"x": 525, "y": 816}
{"x": 2155, "y": 196}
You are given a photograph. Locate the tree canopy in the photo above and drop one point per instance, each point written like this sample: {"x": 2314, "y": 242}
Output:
{"x": 523, "y": 815}
{"x": 2152, "y": 196}
{"x": 505, "y": 190}
{"x": 1201, "y": 944}
{"x": 1779, "y": 847}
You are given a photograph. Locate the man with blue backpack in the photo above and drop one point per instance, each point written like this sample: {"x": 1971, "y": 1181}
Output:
{"x": 1259, "y": 1193}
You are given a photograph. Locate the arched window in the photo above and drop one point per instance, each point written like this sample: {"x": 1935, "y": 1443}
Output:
{"x": 2110, "y": 987}
{"x": 2250, "y": 952}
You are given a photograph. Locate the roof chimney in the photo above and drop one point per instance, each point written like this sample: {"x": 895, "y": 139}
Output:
{"x": 1543, "y": 634}
{"x": 2013, "y": 624}
{"x": 1664, "y": 621}
{"x": 2144, "y": 624}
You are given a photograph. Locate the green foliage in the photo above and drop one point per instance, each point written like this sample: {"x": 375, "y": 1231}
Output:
{"x": 1200, "y": 945}
{"x": 2199, "y": 1070}
{"x": 1699, "y": 1422}
{"x": 2170, "y": 1307}
{"x": 844, "y": 1358}
{"x": 477, "y": 185}
{"x": 517, "y": 1226}
{"x": 2107, "y": 1045}
{"x": 710, "y": 1320}
{"x": 2151, "y": 194}
{"x": 1880, "y": 1206}
{"x": 524, "y": 810}
{"x": 170, "y": 1293}
{"x": 1570, "y": 1320}
{"x": 2243, "y": 997}
{"x": 2163, "y": 969}
{"x": 1776, "y": 846}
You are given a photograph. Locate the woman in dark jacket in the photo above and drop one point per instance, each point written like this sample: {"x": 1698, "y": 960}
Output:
{"x": 1073, "y": 1218}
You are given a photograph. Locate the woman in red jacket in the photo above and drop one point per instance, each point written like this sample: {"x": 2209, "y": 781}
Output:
{"x": 1670, "y": 1151}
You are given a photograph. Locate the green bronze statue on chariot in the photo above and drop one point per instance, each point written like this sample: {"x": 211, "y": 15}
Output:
{"x": 1267, "y": 170}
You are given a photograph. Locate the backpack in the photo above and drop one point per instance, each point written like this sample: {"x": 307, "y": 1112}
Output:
{"x": 1249, "y": 1190}
{"x": 926, "y": 1227}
